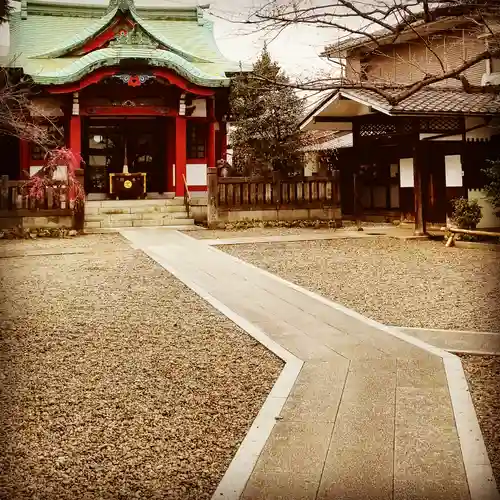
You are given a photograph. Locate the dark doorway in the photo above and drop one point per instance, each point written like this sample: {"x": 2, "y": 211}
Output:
{"x": 10, "y": 164}
{"x": 105, "y": 142}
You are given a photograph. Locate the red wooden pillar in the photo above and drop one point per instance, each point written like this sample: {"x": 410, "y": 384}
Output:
{"x": 24, "y": 157}
{"x": 180, "y": 154}
{"x": 75, "y": 128}
{"x": 170, "y": 154}
{"x": 75, "y": 135}
{"x": 211, "y": 162}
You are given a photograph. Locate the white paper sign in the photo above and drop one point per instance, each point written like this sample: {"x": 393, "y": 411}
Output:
{"x": 60, "y": 173}
{"x": 406, "y": 172}
{"x": 453, "y": 171}
{"x": 196, "y": 174}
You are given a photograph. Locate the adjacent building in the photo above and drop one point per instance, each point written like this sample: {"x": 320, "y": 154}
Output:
{"x": 408, "y": 160}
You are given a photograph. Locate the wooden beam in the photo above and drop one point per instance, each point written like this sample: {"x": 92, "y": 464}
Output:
{"x": 333, "y": 119}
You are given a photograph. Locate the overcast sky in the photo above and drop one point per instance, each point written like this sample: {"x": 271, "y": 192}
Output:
{"x": 296, "y": 49}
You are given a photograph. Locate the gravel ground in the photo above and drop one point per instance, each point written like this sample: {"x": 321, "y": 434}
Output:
{"x": 404, "y": 283}
{"x": 117, "y": 381}
{"x": 483, "y": 376}
{"x": 254, "y": 231}
{"x": 276, "y": 231}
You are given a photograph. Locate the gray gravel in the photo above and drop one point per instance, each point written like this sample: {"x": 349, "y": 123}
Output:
{"x": 404, "y": 283}
{"x": 277, "y": 231}
{"x": 483, "y": 376}
{"x": 117, "y": 382}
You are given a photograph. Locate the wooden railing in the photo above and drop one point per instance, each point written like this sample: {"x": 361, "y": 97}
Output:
{"x": 241, "y": 193}
{"x": 187, "y": 197}
{"x": 15, "y": 197}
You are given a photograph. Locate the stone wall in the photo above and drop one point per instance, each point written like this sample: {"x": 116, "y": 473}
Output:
{"x": 10, "y": 221}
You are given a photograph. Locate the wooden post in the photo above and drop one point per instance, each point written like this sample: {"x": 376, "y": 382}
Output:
{"x": 357, "y": 208}
{"x": 223, "y": 139}
{"x": 4, "y": 192}
{"x": 211, "y": 160}
{"x": 79, "y": 213}
{"x": 180, "y": 155}
{"x": 419, "y": 184}
{"x": 24, "y": 157}
{"x": 213, "y": 197}
{"x": 277, "y": 188}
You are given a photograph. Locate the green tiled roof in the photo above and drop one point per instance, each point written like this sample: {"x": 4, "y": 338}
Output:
{"x": 41, "y": 42}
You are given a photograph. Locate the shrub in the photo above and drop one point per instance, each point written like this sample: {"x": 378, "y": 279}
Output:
{"x": 466, "y": 214}
{"x": 492, "y": 187}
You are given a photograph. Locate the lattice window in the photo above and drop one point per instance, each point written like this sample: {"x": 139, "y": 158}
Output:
{"x": 441, "y": 124}
{"x": 376, "y": 129}
{"x": 196, "y": 139}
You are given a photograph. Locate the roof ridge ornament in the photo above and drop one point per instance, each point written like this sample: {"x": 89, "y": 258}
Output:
{"x": 24, "y": 9}
{"x": 200, "y": 11}
{"x": 122, "y": 5}
{"x": 134, "y": 36}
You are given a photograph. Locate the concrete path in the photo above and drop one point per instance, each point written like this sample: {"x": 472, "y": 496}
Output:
{"x": 458, "y": 341}
{"x": 370, "y": 416}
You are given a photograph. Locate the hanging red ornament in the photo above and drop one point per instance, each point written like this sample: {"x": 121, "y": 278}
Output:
{"x": 134, "y": 81}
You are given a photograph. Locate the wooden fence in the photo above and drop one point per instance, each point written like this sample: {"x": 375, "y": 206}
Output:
{"x": 233, "y": 198}
{"x": 258, "y": 194}
{"x": 16, "y": 203}
{"x": 14, "y": 196}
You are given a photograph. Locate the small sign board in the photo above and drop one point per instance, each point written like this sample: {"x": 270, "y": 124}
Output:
{"x": 406, "y": 173}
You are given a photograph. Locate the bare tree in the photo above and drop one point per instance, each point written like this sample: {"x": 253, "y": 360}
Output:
{"x": 19, "y": 115}
{"x": 379, "y": 23}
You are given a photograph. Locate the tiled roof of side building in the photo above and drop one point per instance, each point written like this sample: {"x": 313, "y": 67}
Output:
{"x": 432, "y": 100}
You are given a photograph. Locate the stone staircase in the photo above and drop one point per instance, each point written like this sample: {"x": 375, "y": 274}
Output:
{"x": 111, "y": 216}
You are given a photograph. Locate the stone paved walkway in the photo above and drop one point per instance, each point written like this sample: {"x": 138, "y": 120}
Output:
{"x": 370, "y": 416}
{"x": 458, "y": 341}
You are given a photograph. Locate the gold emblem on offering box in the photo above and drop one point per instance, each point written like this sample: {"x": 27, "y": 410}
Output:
{"x": 127, "y": 184}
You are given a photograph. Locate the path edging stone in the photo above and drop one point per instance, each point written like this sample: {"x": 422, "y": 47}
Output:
{"x": 241, "y": 467}
{"x": 479, "y": 473}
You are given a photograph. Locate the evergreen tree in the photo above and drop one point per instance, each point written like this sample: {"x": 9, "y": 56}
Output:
{"x": 492, "y": 187}
{"x": 266, "y": 135}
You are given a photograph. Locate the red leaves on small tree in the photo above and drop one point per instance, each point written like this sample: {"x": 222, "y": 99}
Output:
{"x": 37, "y": 185}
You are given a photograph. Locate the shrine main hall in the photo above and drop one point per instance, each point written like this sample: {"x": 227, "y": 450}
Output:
{"x": 122, "y": 85}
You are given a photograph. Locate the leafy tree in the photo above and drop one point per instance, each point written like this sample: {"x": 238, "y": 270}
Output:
{"x": 266, "y": 135}
{"x": 492, "y": 188}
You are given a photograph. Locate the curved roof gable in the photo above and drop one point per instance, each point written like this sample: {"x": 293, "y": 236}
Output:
{"x": 117, "y": 9}
{"x": 52, "y": 41}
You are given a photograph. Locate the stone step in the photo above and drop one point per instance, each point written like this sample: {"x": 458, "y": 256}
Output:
{"x": 118, "y": 224}
{"x": 89, "y": 217}
{"x": 162, "y": 202}
{"x": 134, "y": 210}
{"x": 105, "y": 230}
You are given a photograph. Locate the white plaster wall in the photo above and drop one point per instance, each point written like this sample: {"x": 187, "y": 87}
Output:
{"x": 484, "y": 132}
{"x": 311, "y": 164}
{"x": 60, "y": 174}
{"x": 196, "y": 174}
{"x": 448, "y": 138}
{"x": 489, "y": 219}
